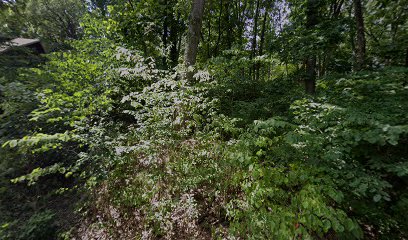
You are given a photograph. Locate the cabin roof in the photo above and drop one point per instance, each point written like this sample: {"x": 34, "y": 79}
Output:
{"x": 18, "y": 42}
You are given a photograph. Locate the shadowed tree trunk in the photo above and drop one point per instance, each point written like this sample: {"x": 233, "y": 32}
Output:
{"x": 255, "y": 30}
{"x": 262, "y": 43}
{"x": 310, "y": 81}
{"x": 241, "y": 10}
{"x": 219, "y": 30}
{"x": 254, "y": 35}
{"x": 174, "y": 36}
{"x": 165, "y": 34}
{"x": 361, "y": 41}
{"x": 406, "y": 57}
{"x": 335, "y": 11}
{"x": 209, "y": 33}
{"x": 229, "y": 19}
{"x": 311, "y": 22}
{"x": 193, "y": 35}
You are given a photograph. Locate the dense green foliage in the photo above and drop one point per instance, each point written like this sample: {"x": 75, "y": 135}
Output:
{"x": 106, "y": 137}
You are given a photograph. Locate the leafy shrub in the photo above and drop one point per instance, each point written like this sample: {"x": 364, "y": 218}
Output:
{"x": 284, "y": 197}
{"x": 317, "y": 173}
{"x": 338, "y": 161}
{"x": 168, "y": 147}
{"x": 39, "y": 226}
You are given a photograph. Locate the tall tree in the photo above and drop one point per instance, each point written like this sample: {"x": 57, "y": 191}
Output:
{"x": 262, "y": 43}
{"x": 311, "y": 22}
{"x": 254, "y": 36}
{"x": 193, "y": 35}
{"x": 255, "y": 30}
{"x": 219, "y": 29}
{"x": 361, "y": 41}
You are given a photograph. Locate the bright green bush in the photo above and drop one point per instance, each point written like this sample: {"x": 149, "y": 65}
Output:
{"x": 285, "y": 196}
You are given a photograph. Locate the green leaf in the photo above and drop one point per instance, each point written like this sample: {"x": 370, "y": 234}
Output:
{"x": 13, "y": 143}
{"x": 377, "y": 198}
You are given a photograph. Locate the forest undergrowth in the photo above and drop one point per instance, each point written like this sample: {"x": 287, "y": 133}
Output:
{"x": 284, "y": 119}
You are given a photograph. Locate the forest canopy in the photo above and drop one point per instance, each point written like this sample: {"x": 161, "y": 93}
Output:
{"x": 204, "y": 119}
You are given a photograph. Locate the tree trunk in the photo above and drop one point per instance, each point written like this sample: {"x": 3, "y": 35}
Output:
{"x": 174, "y": 36}
{"x": 165, "y": 35}
{"x": 242, "y": 9}
{"x": 230, "y": 27}
{"x": 255, "y": 30}
{"x": 219, "y": 30}
{"x": 352, "y": 35}
{"x": 254, "y": 36}
{"x": 193, "y": 35}
{"x": 361, "y": 41}
{"x": 310, "y": 83}
{"x": 262, "y": 43}
{"x": 311, "y": 22}
{"x": 406, "y": 57}
{"x": 335, "y": 12}
{"x": 209, "y": 34}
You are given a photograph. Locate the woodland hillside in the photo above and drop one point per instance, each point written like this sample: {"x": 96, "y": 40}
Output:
{"x": 204, "y": 119}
